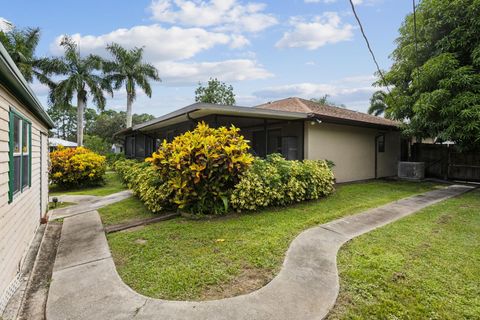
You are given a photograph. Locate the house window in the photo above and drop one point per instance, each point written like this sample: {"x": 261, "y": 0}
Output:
{"x": 381, "y": 143}
{"x": 19, "y": 154}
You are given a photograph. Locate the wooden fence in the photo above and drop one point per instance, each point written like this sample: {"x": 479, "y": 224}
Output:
{"x": 446, "y": 162}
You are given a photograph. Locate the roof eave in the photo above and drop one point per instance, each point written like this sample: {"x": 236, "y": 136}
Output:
{"x": 220, "y": 109}
{"x": 14, "y": 80}
{"x": 356, "y": 123}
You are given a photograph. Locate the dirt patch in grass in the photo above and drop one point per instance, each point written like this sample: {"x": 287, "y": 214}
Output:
{"x": 249, "y": 280}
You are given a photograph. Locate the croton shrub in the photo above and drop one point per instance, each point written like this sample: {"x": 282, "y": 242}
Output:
{"x": 275, "y": 181}
{"x": 195, "y": 173}
{"x": 210, "y": 171}
{"x": 76, "y": 167}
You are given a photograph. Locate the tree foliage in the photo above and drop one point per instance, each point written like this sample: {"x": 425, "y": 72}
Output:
{"x": 325, "y": 100}
{"x": 215, "y": 92}
{"x": 129, "y": 70}
{"x": 64, "y": 117}
{"x": 110, "y": 122}
{"x": 103, "y": 125}
{"x": 436, "y": 83}
{"x": 378, "y": 106}
{"x": 20, "y": 45}
{"x": 81, "y": 77}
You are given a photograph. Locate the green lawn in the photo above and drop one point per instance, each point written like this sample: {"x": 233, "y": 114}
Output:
{"x": 197, "y": 260}
{"x": 425, "y": 266}
{"x": 130, "y": 209}
{"x": 113, "y": 184}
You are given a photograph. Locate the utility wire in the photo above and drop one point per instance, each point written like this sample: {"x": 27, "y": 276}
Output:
{"x": 415, "y": 34}
{"x": 368, "y": 45}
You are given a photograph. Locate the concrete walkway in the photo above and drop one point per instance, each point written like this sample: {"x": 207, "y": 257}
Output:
{"x": 85, "y": 283}
{"x": 86, "y": 203}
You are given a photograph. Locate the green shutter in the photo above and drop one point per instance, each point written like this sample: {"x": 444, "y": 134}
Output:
{"x": 10, "y": 157}
{"x": 29, "y": 155}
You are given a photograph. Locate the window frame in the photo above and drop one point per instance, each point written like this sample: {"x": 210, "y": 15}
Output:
{"x": 12, "y": 154}
{"x": 381, "y": 142}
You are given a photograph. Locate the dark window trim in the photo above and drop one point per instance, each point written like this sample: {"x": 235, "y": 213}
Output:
{"x": 12, "y": 114}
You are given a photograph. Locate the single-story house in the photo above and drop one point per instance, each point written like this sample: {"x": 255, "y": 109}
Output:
{"x": 361, "y": 146}
{"x": 53, "y": 143}
{"x": 24, "y": 126}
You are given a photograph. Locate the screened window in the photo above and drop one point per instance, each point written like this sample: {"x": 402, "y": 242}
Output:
{"x": 381, "y": 143}
{"x": 20, "y": 154}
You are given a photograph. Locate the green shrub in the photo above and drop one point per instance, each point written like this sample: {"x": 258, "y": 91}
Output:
{"x": 96, "y": 144}
{"x": 143, "y": 179}
{"x": 114, "y": 157}
{"x": 76, "y": 167}
{"x": 201, "y": 167}
{"x": 279, "y": 182}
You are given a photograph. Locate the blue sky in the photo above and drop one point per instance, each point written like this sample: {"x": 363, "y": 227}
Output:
{"x": 267, "y": 50}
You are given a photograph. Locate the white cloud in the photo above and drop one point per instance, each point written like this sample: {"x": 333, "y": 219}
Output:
{"x": 176, "y": 73}
{"x": 221, "y": 14}
{"x": 354, "y": 92}
{"x": 160, "y": 43}
{"x": 332, "y": 1}
{"x": 325, "y": 29}
{"x": 322, "y": 1}
{"x": 169, "y": 50}
{"x": 238, "y": 41}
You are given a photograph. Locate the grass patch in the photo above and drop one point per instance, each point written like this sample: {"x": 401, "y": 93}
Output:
{"x": 130, "y": 209}
{"x": 112, "y": 184}
{"x": 51, "y": 205}
{"x": 199, "y": 260}
{"x": 425, "y": 266}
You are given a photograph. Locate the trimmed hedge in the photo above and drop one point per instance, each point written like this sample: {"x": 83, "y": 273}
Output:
{"x": 279, "y": 182}
{"x": 76, "y": 167}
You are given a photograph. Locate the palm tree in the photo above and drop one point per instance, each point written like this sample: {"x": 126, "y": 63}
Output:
{"x": 21, "y": 45}
{"x": 128, "y": 69}
{"x": 81, "y": 76}
{"x": 378, "y": 106}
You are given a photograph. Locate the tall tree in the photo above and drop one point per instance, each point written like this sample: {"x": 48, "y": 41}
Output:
{"x": 110, "y": 122}
{"x": 435, "y": 76}
{"x": 81, "y": 77}
{"x": 128, "y": 69}
{"x": 215, "y": 92}
{"x": 64, "y": 117}
{"x": 20, "y": 45}
{"x": 378, "y": 106}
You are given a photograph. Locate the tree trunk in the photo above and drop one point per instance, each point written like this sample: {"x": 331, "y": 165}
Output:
{"x": 80, "y": 112}
{"x": 129, "y": 110}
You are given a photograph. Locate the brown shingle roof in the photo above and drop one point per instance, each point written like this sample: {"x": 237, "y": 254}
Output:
{"x": 327, "y": 112}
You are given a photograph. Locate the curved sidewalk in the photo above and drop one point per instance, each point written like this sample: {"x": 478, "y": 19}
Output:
{"x": 86, "y": 285}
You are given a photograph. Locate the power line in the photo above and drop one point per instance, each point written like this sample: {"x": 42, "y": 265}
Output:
{"x": 415, "y": 33}
{"x": 368, "y": 45}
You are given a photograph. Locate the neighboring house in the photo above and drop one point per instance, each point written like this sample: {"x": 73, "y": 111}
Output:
{"x": 53, "y": 143}
{"x": 24, "y": 129}
{"x": 117, "y": 148}
{"x": 362, "y": 146}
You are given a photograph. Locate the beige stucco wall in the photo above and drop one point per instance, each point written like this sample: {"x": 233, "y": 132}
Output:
{"x": 20, "y": 218}
{"x": 352, "y": 149}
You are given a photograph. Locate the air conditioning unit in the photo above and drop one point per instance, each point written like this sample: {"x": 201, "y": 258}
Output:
{"x": 411, "y": 170}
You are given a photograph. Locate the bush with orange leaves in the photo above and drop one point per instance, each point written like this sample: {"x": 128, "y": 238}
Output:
{"x": 76, "y": 167}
